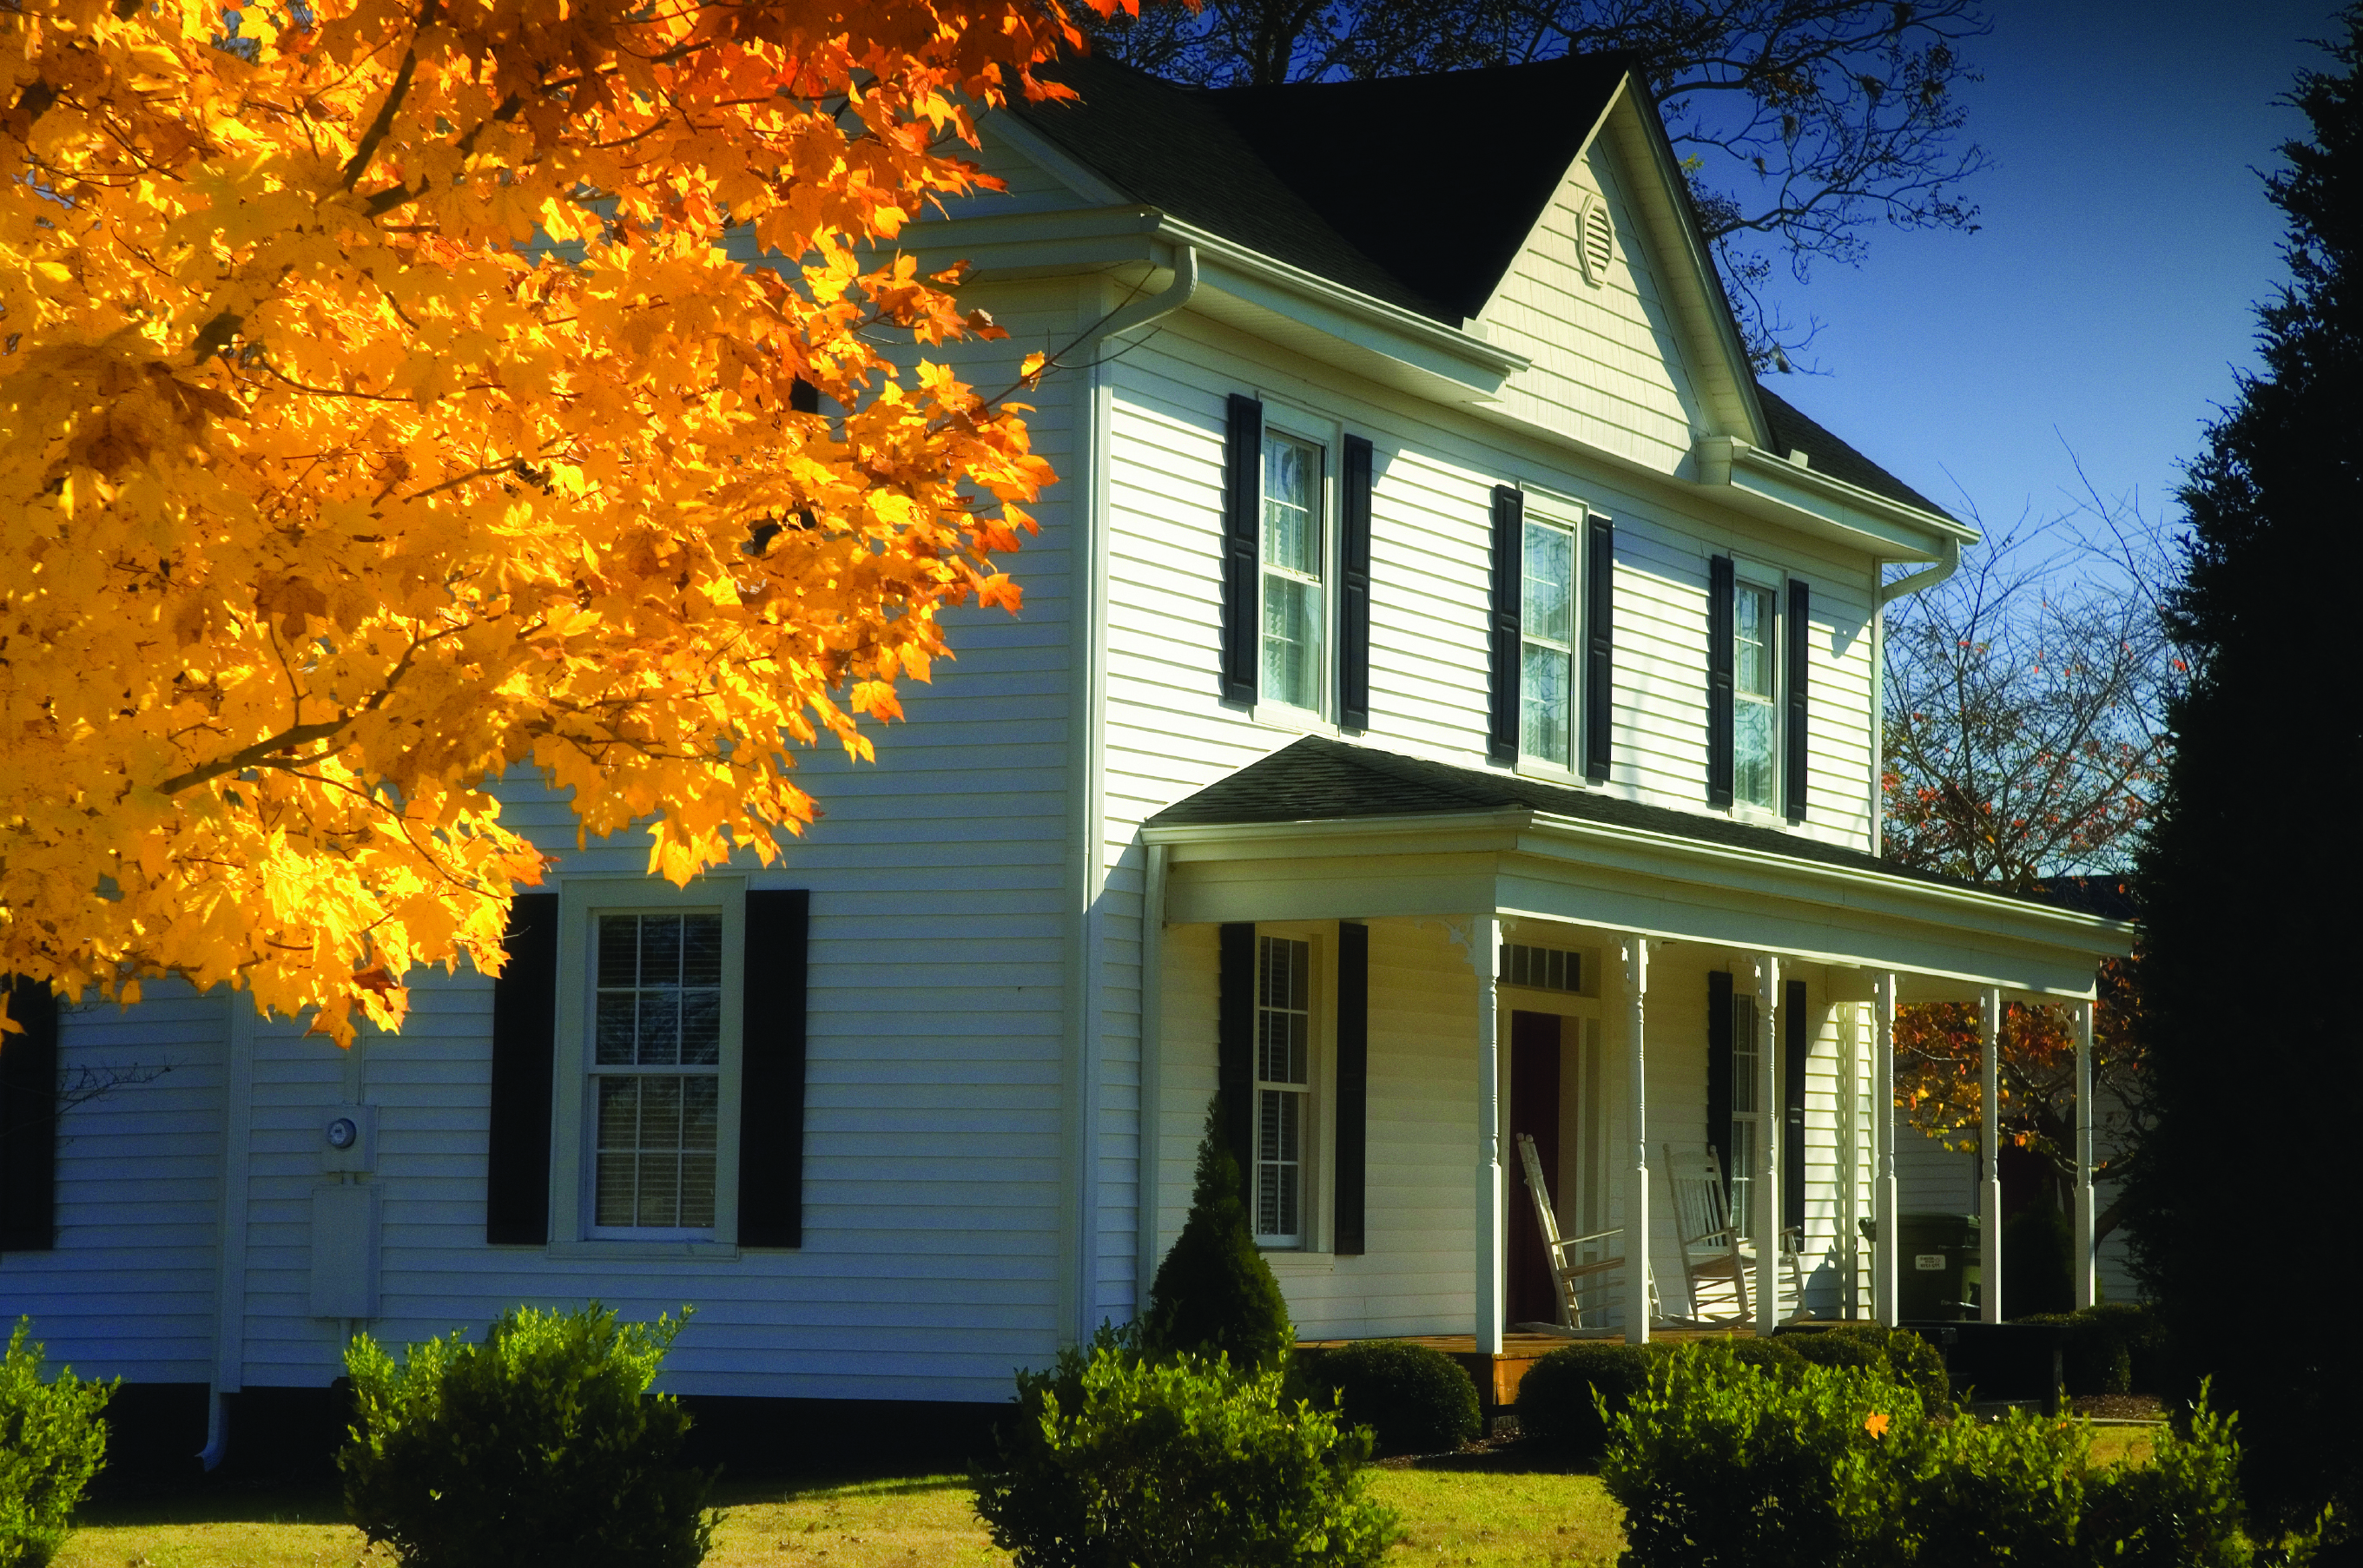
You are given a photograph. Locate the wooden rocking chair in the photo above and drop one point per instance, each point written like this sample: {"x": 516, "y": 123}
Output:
{"x": 1713, "y": 1252}
{"x": 1569, "y": 1277}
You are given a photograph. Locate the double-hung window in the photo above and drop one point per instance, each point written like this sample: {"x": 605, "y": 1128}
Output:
{"x": 1294, "y": 588}
{"x": 1755, "y": 710}
{"x": 1284, "y": 1069}
{"x": 1547, "y": 643}
{"x": 655, "y": 1087}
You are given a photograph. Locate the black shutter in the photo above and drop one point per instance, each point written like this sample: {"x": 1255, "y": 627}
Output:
{"x": 1353, "y": 1084}
{"x": 1506, "y": 620}
{"x": 28, "y": 1120}
{"x": 525, "y": 1039}
{"x": 771, "y": 1070}
{"x": 1718, "y": 681}
{"x": 1796, "y": 1039}
{"x": 1800, "y": 620}
{"x": 1234, "y": 1020}
{"x": 1599, "y": 647}
{"x": 1354, "y": 589}
{"x": 1718, "y": 1068}
{"x": 1242, "y": 518}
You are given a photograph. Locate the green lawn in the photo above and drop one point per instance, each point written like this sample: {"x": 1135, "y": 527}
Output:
{"x": 1481, "y": 1511}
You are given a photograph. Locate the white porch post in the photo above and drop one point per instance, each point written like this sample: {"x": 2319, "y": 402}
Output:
{"x": 1485, "y": 948}
{"x": 1883, "y": 1305}
{"x": 1768, "y": 1143}
{"x": 1990, "y": 1158}
{"x": 2087, "y": 1250}
{"x": 1636, "y": 1172}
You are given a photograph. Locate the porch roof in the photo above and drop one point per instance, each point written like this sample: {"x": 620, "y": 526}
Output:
{"x": 1323, "y": 828}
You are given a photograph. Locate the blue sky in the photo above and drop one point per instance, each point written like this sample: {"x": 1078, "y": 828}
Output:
{"x": 2109, "y": 294}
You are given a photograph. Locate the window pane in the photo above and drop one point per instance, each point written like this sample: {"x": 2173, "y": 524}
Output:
{"x": 661, "y": 1189}
{"x": 701, "y": 950}
{"x": 1291, "y": 505}
{"x": 620, "y": 1113}
{"x": 615, "y": 1205}
{"x": 1545, "y": 682}
{"x": 1751, "y": 633}
{"x": 660, "y": 950}
{"x": 1550, "y": 584}
{"x": 616, "y": 1028}
{"x": 1278, "y": 1163}
{"x": 697, "y": 1191}
{"x": 1743, "y": 1056}
{"x": 701, "y": 1028}
{"x": 619, "y": 950}
{"x": 1754, "y": 733}
{"x": 1291, "y": 641}
{"x": 659, "y": 1028}
{"x": 699, "y": 1112}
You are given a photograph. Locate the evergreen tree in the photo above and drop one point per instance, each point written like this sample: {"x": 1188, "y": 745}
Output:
{"x": 2251, "y": 880}
{"x": 1214, "y": 1293}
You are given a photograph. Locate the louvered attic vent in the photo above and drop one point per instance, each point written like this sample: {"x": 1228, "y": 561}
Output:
{"x": 1596, "y": 240}
{"x": 1541, "y": 968}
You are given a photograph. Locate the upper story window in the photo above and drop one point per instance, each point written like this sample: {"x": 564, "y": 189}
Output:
{"x": 1547, "y": 643}
{"x": 1755, "y": 711}
{"x": 1284, "y": 1087}
{"x": 1294, "y": 617}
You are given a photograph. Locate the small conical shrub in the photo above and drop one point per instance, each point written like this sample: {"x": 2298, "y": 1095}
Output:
{"x": 1214, "y": 1293}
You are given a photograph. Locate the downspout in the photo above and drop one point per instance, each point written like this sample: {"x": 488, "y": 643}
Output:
{"x": 230, "y": 1277}
{"x": 1949, "y": 561}
{"x": 1086, "y": 784}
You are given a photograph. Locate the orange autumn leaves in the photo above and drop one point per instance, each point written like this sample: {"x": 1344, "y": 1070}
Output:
{"x": 395, "y": 392}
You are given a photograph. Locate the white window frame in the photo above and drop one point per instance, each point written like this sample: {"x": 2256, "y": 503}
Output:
{"x": 1319, "y": 1099}
{"x": 1754, "y": 575}
{"x": 1570, "y": 517}
{"x": 1324, "y": 436}
{"x": 573, "y": 1165}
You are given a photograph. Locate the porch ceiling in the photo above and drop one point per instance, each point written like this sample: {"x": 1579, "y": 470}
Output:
{"x": 1810, "y": 903}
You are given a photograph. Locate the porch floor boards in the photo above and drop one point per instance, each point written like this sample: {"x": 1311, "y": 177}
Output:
{"x": 1498, "y": 1375}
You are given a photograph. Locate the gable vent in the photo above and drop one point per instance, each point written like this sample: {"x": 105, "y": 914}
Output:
{"x": 1599, "y": 241}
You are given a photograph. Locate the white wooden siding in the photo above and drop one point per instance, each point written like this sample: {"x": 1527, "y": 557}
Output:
{"x": 1609, "y": 369}
{"x": 129, "y": 1290}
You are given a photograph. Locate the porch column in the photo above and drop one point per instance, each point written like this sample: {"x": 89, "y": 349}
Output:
{"x": 1882, "y": 1132}
{"x": 1766, "y": 1225}
{"x": 1636, "y": 1172}
{"x": 1989, "y": 1156}
{"x": 1484, "y": 949}
{"x": 2087, "y": 1251}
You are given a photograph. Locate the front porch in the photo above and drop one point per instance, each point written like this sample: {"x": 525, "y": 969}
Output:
{"x": 1390, "y": 1001}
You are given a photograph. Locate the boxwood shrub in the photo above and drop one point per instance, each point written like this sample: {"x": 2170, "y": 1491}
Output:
{"x": 1415, "y": 1398}
{"x": 53, "y": 1440}
{"x": 1116, "y": 1459}
{"x": 541, "y": 1444}
{"x": 1912, "y": 1360}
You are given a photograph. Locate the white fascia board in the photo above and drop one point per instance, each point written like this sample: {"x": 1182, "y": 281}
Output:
{"x": 1552, "y": 845}
{"x": 1756, "y": 482}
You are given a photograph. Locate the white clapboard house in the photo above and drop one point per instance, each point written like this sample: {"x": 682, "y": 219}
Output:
{"x": 1446, "y": 707}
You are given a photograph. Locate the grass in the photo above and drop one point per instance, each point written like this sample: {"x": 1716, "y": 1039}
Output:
{"x": 1473, "y": 1512}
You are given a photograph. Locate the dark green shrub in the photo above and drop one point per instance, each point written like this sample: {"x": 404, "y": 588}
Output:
{"x": 1555, "y": 1404}
{"x": 1910, "y": 1359}
{"x": 2135, "y": 1324}
{"x": 1116, "y": 1460}
{"x": 1774, "y": 1355}
{"x": 2180, "y": 1510}
{"x": 542, "y": 1444}
{"x": 52, "y": 1441}
{"x": 1414, "y": 1399}
{"x": 1974, "y": 1493}
{"x": 1214, "y": 1293}
{"x": 1719, "y": 1463}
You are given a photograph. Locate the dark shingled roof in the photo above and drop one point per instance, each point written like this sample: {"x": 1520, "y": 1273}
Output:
{"x": 1792, "y": 431}
{"x": 1322, "y": 175}
{"x": 1318, "y": 779}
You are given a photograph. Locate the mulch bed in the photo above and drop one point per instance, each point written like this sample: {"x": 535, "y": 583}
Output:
{"x": 2117, "y": 1407}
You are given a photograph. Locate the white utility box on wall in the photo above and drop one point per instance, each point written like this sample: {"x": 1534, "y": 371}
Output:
{"x": 344, "y": 1251}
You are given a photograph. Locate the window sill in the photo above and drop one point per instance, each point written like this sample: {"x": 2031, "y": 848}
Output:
{"x": 629, "y": 1251}
{"x": 1759, "y": 816}
{"x": 1550, "y": 773}
{"x": 1296, "y": 720}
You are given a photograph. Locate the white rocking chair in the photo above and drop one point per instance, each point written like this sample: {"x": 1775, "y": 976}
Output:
{"x": 1570, "y": 1277}
{"x": 1715, "y": 1255}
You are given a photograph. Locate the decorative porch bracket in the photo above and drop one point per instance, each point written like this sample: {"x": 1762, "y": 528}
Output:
{"x": 1990, "y": 1158}
{"x": 1636, "y": 1122}
{"x": 1882, "y": 1130}
{"x": 2086, "y": 1248}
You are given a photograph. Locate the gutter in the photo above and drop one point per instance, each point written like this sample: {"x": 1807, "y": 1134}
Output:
{"x": 1949, "y": 561}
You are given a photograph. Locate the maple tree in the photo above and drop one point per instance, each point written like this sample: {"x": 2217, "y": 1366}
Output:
{"x": 397, "y": 391}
